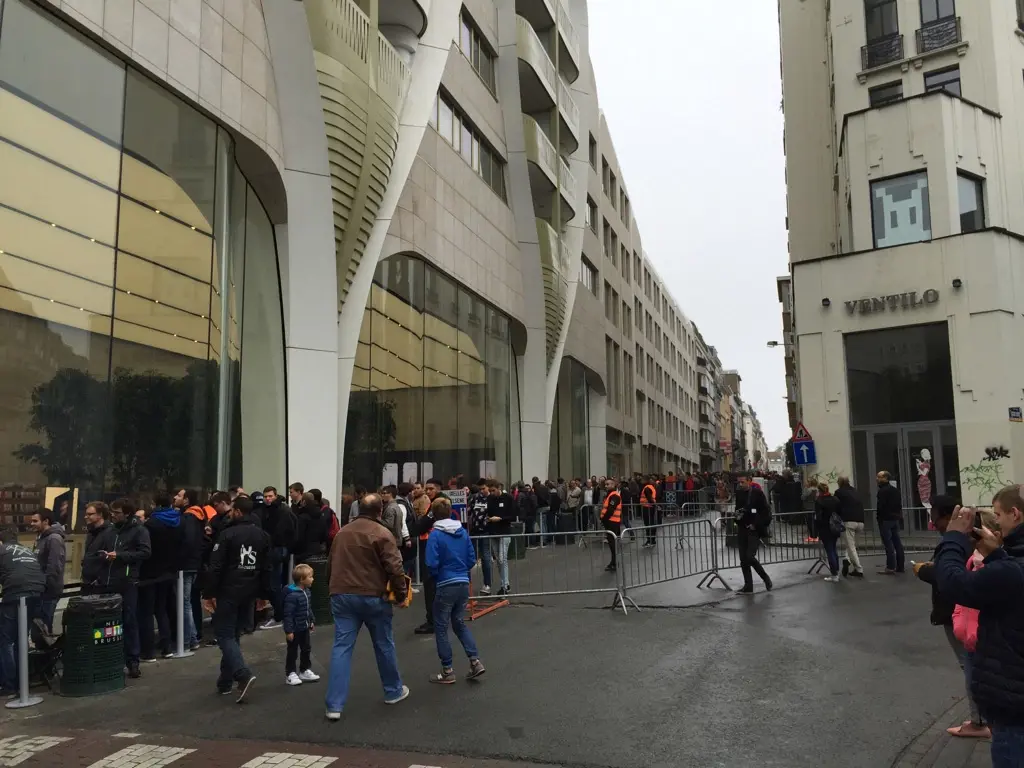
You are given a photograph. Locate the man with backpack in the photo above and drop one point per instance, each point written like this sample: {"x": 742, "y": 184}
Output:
{"x": 753, "y": 516}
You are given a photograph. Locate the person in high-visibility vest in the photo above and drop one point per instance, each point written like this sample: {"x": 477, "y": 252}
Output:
{"x": 649, "y": 507}
{"x": 611, "y": 518}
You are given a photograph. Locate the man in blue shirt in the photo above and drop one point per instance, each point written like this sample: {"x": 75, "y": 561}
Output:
{"x": 997, "y": 591}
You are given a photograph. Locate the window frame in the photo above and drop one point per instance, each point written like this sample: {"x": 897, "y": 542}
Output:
{"x": 979, "y": 193}
{"x": 871, "y": 202}
{"x": 478, "y": 49}
{"x": 942, "y": 86}
{"x": 879, "y": 88}
{"x": 935, "y": 4}
{"x": 877, "y": 6}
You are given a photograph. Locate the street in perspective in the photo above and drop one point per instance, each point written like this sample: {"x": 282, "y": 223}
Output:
{"x": 511, "y": 384}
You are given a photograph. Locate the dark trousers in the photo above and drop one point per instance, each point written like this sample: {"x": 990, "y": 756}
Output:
{"x": 9, "y": 639}
{"x": 299, "y": 646}
{"x": 749, "y": 541}
{"x": 612, "y": 531}
{"x": 429, "y": 585}
{"x": 894, "y": 557}
{"x": 831, "y": 544}
{"x": 196, "y": 606}
{"x": 228, "y": 621}
{"x": 652, "y": 517}
{"x": 278, "y": 578}
{"x": 47, "y": 608}
{"x": 156, "y": 601}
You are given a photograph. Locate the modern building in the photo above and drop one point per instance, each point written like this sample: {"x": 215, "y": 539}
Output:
{"x": 336, "y": 241}
{"x": 906, "y": 223}
{"x": 784, "y": 287}
{"x": 709, "y": 377}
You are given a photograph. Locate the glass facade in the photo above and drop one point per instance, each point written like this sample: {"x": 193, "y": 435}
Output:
{"x": 569, "y": 449}
{"x": 131, "y": 250}
{"x": 432, "y": 387}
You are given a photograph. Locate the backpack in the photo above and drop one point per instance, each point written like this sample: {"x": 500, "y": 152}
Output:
{"x": 836, "y": 524}
{"x": 333, "y": 526}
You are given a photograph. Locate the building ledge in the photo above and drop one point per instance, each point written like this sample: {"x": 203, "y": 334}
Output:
{"x": 917, "y": 60}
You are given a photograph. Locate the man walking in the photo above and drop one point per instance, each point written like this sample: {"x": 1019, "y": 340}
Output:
{"x": 889, "y": 513}
{"x": 851, "y": 509}
{"x": 20, "y": 576}
{"x": 753, "y": 516}
{"x": 363, "y": 563}
{"x": 51, "y": 552}
{"x": 239, "y": 574}
{"x": 501, "y": 512}
{"x": 424, "y": 524}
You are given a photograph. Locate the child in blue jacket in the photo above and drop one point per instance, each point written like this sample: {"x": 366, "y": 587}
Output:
{"x": 450, "y": 557}
{"x": 298, "y": 624}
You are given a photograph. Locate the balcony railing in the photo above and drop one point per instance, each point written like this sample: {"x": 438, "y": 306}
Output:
{"x": 568, "y": 106}
{"x": 882, "y": 51}
{"x": 566, "y": 180}
{"x": 703, "y": 391}
{"x": 939, "y": 34}
{"x": 704, "y": 419}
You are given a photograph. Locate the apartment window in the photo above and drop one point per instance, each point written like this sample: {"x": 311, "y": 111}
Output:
{"x": 972, "y": 203}
{"x": 627, "y": 321}
{"x": 627, "y": 384}
{"x": 936, "y": 10}
{"x": 882, "y": 19}
{"x": 593, "y": 152}
{"x": 625, "y": 264}
{"x": 464, "y": 138}
{"x": 612, "y": 187}
{"x": 477, "y": 51}
{"x": 592, "y": 214}
{"x": 885, "y": 94}
{"x": 613, "y": 252}
{"x": 588, "y": 275}
{"x": 947, "y": 80}
{"x": 608, "y": 300}
{"x": 606, "y": 238}
{"x": 638, "y": 311}
{"x": 605, "y": 173}
{"x": 625, "y": 209}
{"x": 639, "y": 360}
{"x": 636, "y": 267}
{"x": 900, "y": 210}
{"x": 609, "y": 353}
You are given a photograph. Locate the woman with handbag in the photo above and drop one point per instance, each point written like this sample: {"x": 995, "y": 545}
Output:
{"x": 829, "y": 526}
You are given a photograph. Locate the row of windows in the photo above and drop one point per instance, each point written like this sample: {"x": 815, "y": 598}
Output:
{"x": 947, "y": 79}
{"x": 454, "y": 128}
{"x": 882, "y": 16}
{"x": 900, "y": 210}
{"x": 477, "y": 51}
{"x": 609, "y": 183}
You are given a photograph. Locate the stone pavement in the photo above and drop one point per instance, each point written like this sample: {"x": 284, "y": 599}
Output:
{"x": 935, "y": 748}
{"x": 846, "y": 675}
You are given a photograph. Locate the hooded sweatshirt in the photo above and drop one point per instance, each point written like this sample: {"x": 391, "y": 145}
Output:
{"x": 165, "y": 536}
{"x": 52, "y": 555}
{"x": 450, "y": 553}
{"x": 193, "y": 532}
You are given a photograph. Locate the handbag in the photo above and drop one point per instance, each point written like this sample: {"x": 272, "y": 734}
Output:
{"x": 836, "y": 524}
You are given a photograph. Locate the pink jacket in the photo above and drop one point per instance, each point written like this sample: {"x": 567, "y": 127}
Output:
{"x": 965, "y": 620}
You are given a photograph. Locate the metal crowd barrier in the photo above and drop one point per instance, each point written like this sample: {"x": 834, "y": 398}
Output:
{"x": 670, "y": 551}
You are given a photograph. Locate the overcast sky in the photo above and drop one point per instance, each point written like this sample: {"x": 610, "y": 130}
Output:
{"x": 691, "y": 92}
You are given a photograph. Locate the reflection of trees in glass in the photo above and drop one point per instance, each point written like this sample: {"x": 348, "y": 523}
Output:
{"x": 69, "y": 411}
{"x": 162, "y": 431}
{"x": 371, "y": 432}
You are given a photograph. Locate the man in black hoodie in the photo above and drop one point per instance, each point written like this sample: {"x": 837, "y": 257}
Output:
{"x": 889, "y": 512}
{"x": 52, "y": 553}
{"x": 424, "y": 525}
{"x": 502, "y": 511}
{"x": 753, "y": 516}
{"x": 239, "y": 574}
{"x": 158, "y": 576}
{"x": 278, "y": 521}
{"x": 311, "y": 530}
{"x": 20, "y": 576}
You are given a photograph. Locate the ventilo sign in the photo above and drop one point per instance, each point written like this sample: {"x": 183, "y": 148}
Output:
{"x": 892, "y": 302}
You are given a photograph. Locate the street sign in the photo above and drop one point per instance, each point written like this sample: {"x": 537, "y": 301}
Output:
{"x": 800, "y": 434}
{"x": 1015, "y": 414}
{"x": 804, "y": 453}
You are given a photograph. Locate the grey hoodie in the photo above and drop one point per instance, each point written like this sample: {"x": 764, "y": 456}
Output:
{"x": 52, "y": 553}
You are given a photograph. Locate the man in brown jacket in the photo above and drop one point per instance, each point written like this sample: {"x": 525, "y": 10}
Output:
{"x": 364, "y": 561}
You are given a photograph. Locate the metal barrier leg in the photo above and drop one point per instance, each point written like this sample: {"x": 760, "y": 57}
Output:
{"x": 419, "y": 579}
{"x": 291, "y": 568}
{"x": 621, "y": 598}
{"x": 713, "y": 574}
{"x": 180, "y": 652}
{"x": 817, "y": 566}
{"x": 23, "y": 700}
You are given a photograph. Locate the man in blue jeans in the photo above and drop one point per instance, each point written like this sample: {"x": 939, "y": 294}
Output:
{"x": 363, "y": 564}
{"x": 20, "y": 576}
{"x": 889, "y": 514}
{"x": 450, "y": 558}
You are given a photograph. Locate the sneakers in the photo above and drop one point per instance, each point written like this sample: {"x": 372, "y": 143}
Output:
{"x": 768, "y": 585}
{"x": 333, "y": 716}
{"x": 444, "y": 677}
{"x": 610, "y": 567}
{"x": 476, "y": 668}
{"x": 133, "y": 671}
{"x": 194, "y": 647}
{"x": 308, "y": 676}
{"x": 168, "y": 654}
{"x": 504, "y": 591}
{"x": 886, "y": 572}
{"x": 745, "y": 591}
{"x": 147, "y": 659}
{"x": 424, "y": 629}
{"x": 832, "y": 579}
{"x": 401, "y": 697}
{"x": 270, "y": 624}
{"x": 243, "y": 688}
{"x": 293, "y": 679}
{"x": 485, "y": 590}
{"x": 857, "y": 574}
{"x": 846, "y": 568}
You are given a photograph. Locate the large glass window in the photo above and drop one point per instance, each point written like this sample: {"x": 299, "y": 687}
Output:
{"x": 934, "y": 10}
{"x": 111, "y": 309}
{"x": 972, "y": 203}
{"x": 900, "y": 210}
{"x": 432, "y": 390}
{"x": 947, "y": 80}
{"x": 882, "y": 19}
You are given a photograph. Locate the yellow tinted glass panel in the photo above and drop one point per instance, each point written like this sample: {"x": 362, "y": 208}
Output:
{"x": 164, "y": 241}
{"x": 29, "y": 277}
{"x": 160, "y": 191}
{"x": 30, "y": 126}
{"x": 35, "y": 186}
{"x": 31, "y": 239}
{"x": 215, "y": 342}
{"x": 161, "y": 317}
{"x": 441, "y": 359}
{"x": 151, "y": 338}
{"x": 152, "y": 282}
{"x": 12, "y": 301}
{"x": 440, "y": 330}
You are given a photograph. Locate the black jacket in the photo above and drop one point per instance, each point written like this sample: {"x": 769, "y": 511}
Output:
{"x": 20, "y": 574}
{"x": 193, "y": 541}
{"x": 279, "y": 521}
{"x": 824, "y": 506}
{"x": 239, "y": 563}
{"x": 130, "y": 541}
{"x": 543, "y": 495}
{"x": 752, "y": 509}
{"x": 311, "y": 533}
{"x": 99, "y": 538}
{"x": 52, "y": 554}
{"x": 851, "y": 508}
{"x": 997, "y": 590}
{"x": 790, "y": 495}
{"x": 505, "y": 507}
{"x": 165, "y": 540}
{"x": 527, "y": 502}
{"x": 942, "y": 608}
{"x": 888, "y": 504}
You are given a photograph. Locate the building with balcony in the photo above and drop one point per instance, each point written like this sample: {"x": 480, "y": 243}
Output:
{"x": 905, "y": 225}
{"x": 347, "y": 242}
{"x": 784, "y": 287}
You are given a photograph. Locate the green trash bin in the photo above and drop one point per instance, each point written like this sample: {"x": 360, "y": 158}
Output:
{"x": 93, "y": 646}
{"x": 517, "y": 548}
{"x": 321, "y": 590}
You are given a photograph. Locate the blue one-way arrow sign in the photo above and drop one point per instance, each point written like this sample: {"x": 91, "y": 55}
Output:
{"x": 804, "y": 453}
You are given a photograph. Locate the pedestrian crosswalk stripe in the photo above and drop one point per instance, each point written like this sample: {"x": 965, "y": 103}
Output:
{"x": 288, "y": 760}
{"x": 15, "y": 750}
{"x": 138, "y": 755}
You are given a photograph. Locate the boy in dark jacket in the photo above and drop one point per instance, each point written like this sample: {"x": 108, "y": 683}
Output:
{"x": 997, "y": 591}
{"x": 298, "y": 624}
{"x": 450, "y": 558}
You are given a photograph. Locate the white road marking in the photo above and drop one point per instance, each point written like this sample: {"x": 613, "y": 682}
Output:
{"x": 137, "y": 755}
{"x": 15, "y": 750}
{"x": 288, "y": 760}
{"x": 126, "y": 735}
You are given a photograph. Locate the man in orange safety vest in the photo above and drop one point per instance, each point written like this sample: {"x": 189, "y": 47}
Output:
{"x": 611, "y": 518}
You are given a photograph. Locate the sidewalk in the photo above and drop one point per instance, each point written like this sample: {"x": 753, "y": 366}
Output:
{"x": 937, "y": 749}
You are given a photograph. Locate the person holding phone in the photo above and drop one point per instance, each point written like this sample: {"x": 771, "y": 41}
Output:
{"x": 997, "y": 592}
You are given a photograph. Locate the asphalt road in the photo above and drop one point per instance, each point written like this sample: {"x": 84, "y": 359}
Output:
{"x": 812, "y": 674}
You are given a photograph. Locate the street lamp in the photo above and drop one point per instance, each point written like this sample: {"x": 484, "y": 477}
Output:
{"x": 773, "y": 344}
